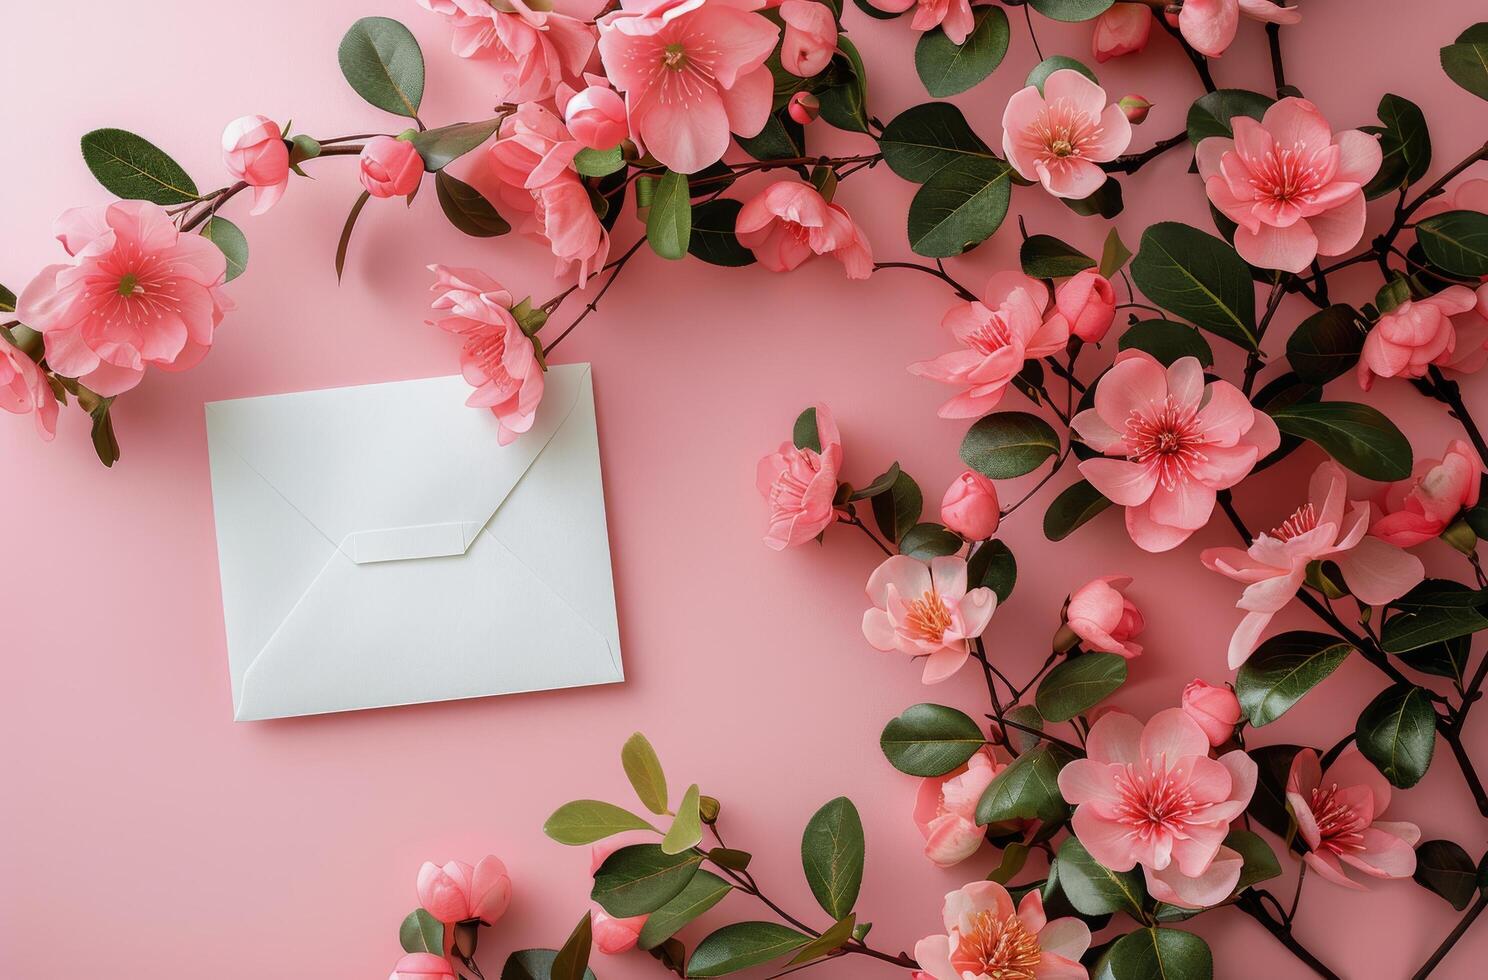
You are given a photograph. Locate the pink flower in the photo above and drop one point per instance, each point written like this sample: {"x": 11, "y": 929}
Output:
{"x": 1179, "y": 439}
{"x": 1420, "y": 508}
{"x": 613, "y": 936}
{"x": 254, "y": 151}
{"x": 390, "y": 167}
{"x": 803, "y": 108}
{"x": 534, "y": 49}
{"x": 596, "y": 117}
{"x": 692, "y": 71}
{"x": 1209, "y": 25}
{"x": 800, "y": 484}
{"x": 136, "y": 292}
{"x": 1327, "y": 526}
{"x": 422, "y": 966}
{"x": 1150, "y": 795}
{"x": 986, "y": 936}
{"x": 459, "y": 893}
{"x": 1088, "y": 303}
{"x": 1292, "y": 185}
{"x": 1470, "y": 331}
{"x": 1337, "y": 815}
{"x": 497, "y": 358}
{"x": 789, "y": 222}
{"x": 970, "y": 506}
{"x": 951, "y": 16}
{"x": 24, "y": 388}
{"x": 997, "y": 334}
{"x": 1102, "y": 616}
{"x": 810, "y": 36}
{"x": 1060, "y": 136}
{"x": 945, "y": 809}
{"x": 924, "y": 610}
{"x": 1123, "y": 29}
{"x": 1215, "y": 709}
{"x": 1417, "y": 334}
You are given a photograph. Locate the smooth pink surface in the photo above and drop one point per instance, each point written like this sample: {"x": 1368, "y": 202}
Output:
{"x": 142, "y": 823}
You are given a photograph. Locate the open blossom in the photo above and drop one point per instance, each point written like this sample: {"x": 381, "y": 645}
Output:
{"x": 534, "y": 46}
{"x": 1409, "y": 339}
{"x": 497, "y": 358}
{"x": 810, "y": 37}
{"x": 925, "y": 610}
{"x": 254, "y": 151}
{"x": 1420, "y": 508}
{"x": 1150, "y": 795}
{"x": 997, "y": 333}
{"x": 1103, "y": 617}
{"x": 945, "y": 809}
{"x": 1060, "y": 136}
{"x": 800, "y": 484}
{"x": 789, "y": 222}
{"x": 692, "y": 72}
{"x": 1215, "y": 709}
{"x": 1293, "y": 186}
{"x": 458, "y": 893}
{"x": 24, "y": 389}
{"x": 970, "y": 506}
{"x": 390, "y": 167}
{"x": 1209, "y": 25}
{"x": 422, "y": 966}
{"x": 136, "y": 293}
{"x": 951, "y": 16}
{"x": 1328, "y": 526}
{"x": 1123, "y": 29}
{"x": 1088, "y": 303}
{"x": 1338, "y": 813}
{"x": 988, "y": 937}
{"x": 1177, "y": 441}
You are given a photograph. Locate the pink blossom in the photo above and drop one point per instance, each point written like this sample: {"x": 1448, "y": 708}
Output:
{"x": 1338, "y": 813}
{"x": 945, "y": 809}
{"x": 789, "y": 222}
{"x": 970, "y": 506}
{"x": 1088, "y": 304}
{"x": 1292, "y": 185}
{"x": 1123, "y": 29}
{"x": 986, "y": 936}
{"x": 390, "y": 167}
{"x": 1420, "y": 508}
{"x": 800, "y": 484}
{"x": 422, "y": 966}
{"x": 951, "y": 16}
{"x": 1409, "y": 339}
{"x": 497, "y": 358}
{"x": 533, "y": 49}
{"x": 1150, "y": 795}
{"x": 1209, "y": 25}
{"x": 804, "y": 108}
{"x": 1101, "y": 615}
{"x": 1470, "y": 341}
{"x": 1327, "y": 526}
{"x": 24, "y": 388}
{"x": 1060, "y": 136}
{"x": 810, "y": 37}
{"x": 596, "y": 116}
{"x": 613, "y": 936}
{"x": 692, "y": 71}
{"x": 997, "y": 334}
{"x": 136, "y": 292}
{"x": 254, "y": 151}
{"x": 1215, "y": 709}
{"x": 925, "y": 610}
{"x": 1177, "y": 441}
{"x": 459, "y": 893}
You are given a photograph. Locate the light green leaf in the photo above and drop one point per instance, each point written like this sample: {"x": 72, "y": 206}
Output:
{"x": 421, "y": 933}
{"x": 643, "y": 769}
{"x": 686, "y": 831}
{"x": 828, "y": 942}
{"x": 641, "y": 878}
{"x": 742, "y": 945}
{"x": 587, "y": 821}
{"x": 704, "y": 891}
{"x": 231, "y": 240}
{"x": 669, "y": 222}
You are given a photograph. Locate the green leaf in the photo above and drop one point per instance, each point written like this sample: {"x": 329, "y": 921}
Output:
{"x": 1358, "y": 436}
{"x": 1457, "y": 241}
{"x": 947, "y": 68}
{"x": 1326, "y": 345}
{"x": 930, "y": 740}
{"x": 133, "y": 168}
{"x": 1105, "y": 201}
{"x": 704, "y": 891}
{"x": 1435, "y": 611}
{"x": 1026, "y": 715}
{"x": 1028, "y": 789}
{"x": 533, "y": 964}
{"x": 7, "y": 300}
{"x": 960, "y": 206}
{"x": 1283, "y": 391}
{"x": 1283, "y": 669}
{"x": 713, "y": 239}
{"x": 587, "y": 821}
{"x": 1167, "y": 340}
{"x": 829, "y": 941}
{"x": 572, "y": 961}
{"x": 383, "y": 64}
{"x": 643, "y": 769}
{"x": 1073, "y": 508}
{"x": 421, "y": 933}
{"x": 231, "y": 240}
{"x": 742, "y": 945}
{"x": 926, "y": 541}
{"x": 805, "y": 434}
{"x": 1405, "y": 143}
{"x": 599, "y": 163}
{"x": 1444, "y": 867}
{"x": 1466, "y": 62}
{"x": 1094, "y": 889}
{"x": 1058, "y": 62}
{"x": 440, "y": 147}
{"x": 832, "y": 850}
{"x": 686, "y": 831}
{"x": 344, "y": 242}
{"x": 882, "y": 483}
{"x": 641, "y": 878}
{"x": 1113, "y": 254}
{"x": 1071, "y": 10}
{"x": 1269, "y": 804}
{"x": 920, "y": 141}
{"x": 1199, "y": 278}
{"x": 782, "y": 139}
{"x": 1260, "y": 861}
{"x": 993, "y": 566}
{"x": 1445, "y": 659}
{"x": 669, "y": 223}
{"x": 898, "y": 510}
{"x": 1079, "y": 684}
{"x": 1008, "y": 444}
{"x": 105, "y": 442}
{"x": 844, "y": 102}
{"x": 467, "y": 208}
{"x": 1046, "y": 257}
{"x": 1210, "y": 114}
{"x": 1160, "y": 954}
{"x": 1397, "y": 732}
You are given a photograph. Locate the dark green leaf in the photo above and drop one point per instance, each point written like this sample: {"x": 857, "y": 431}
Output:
{"x": 1281, "y": 392}
{"x": 669, "y": 222}
{"x": 1113, "y": 254}
{"x": 704, "y": 891}
{"x": 713, "y": 239}
{"x": 686, "y": 831}
{"x": 881, "y": 484}
{"x": 1105, "y": 201}
{"x": 1057, "y": 62}
{"x": 947, "y": 68}
{"x": 1260, "y": 861}
{"x": 1167, "y": 340}
{"x": 1444, "y": 867}
{"x": 599, "y": 163}
{"x": 133, "y": 168}
{"x": 844, "y": 102}
{"x": 1074, "y": 506}
{"x": 572, "y": 961}
{"x": 1457, "y": 241}
{"x": 7, "y": 300}
{"x": 1079, "y": 684}
{"x": 1405, "y": 143}
{"x": 1027, "y": 716}
{"x": 1210, "y": 114}
{"x": 643, "y": 769}
{"x": 1326, "y": 345}
{"x": 898, "y": 510}
{"x": 1028, "y": 789}
{"x": 1071, "y": 10}
{"x": 231, "y": 240}
{"x": 1160, "y": 954}
{"x": 926, "y": 541}
{"x": 959, "y": 206}
{"x": 587, "y": 821}
{"x": 782, "y": 139}
{"x": 877, "y": 14}
{"x": 421, "y": 933}
{"x": 1199, "y": 278}
{"x": 467, "y": 208}
{"x": 1046, "y": 257}
{"x": 383, "y": 64}
{"x": 1268, "y": 804}
{"x": 641, "y": 878}
{"x": 930, "y": 740}
{"x": 533, "y": 964}
{"x": 345, "y": 241}
{"x": 805, "y": 434}
{"x": 1358, "y": 436}
{"x": 1445, "y": 659}
{"x": 1008, "y": 444}
{"x": 832, "y": 855}
{"x": 921, "y": 140}
{"x": 1283, "y": 669}
{"x": 1434, "y": 611}
{"x": 1094, "y": 889}
{"x": 742, "y": 945}
{"x": 105, "y": 442}
{"x": 993, "y": 566}
{"x": 1397, "y": 732}
{"x": 443, "y": 146}
{"x": 1466, "y": 62}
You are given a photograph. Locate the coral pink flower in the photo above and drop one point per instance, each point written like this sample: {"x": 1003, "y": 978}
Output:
{"x": 1417, "y": 334}
{"x": 1422, "y": 507}
{"x": 987, "y": 937}
{"x": 1102, "y": 616}
{"x": 1060, "y": 137}
{"x": 951, "y": 16}
{"x": 810, "y": 37}
{"x": 692, "y": 71}
{"x": 1088, "y": 304}
{"x": 390, "y": 167}
{"x": 1471, "y": 337}
{"x": 613, "y": 936}
{"x": 1181, "y": 440}
{"x": 924, "y": 610}
{"x": 1123, "y": 29}
{"x": 422, "y": 966}
{"x": 789, "y": 222}
{"x": 1209, "y": 25}
{"x": 1215, "y": 709}
{"x": 254, "y": 151}
{"x": 459, "y": 893}
{"x": 1150, "y": 795}
{"x": 945, "y": 809}
{"x": 596, "y": 116}
{"x": 1327, "y": 526}
{"x": 1337, "y": 815}
{"x": 800, "y": 484}
{"x": 136, "y": 292}
{"x": 24, "y": 389}
{"x": 997, "y": 334}
{"x": 970, "y": 506}
{"x": 533, "y": 46}
{"x": 497, "y": 358}
{"x": 1292, "y": 185}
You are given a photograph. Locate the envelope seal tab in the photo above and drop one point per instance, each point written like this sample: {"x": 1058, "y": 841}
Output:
{"x": 407, "y": 543}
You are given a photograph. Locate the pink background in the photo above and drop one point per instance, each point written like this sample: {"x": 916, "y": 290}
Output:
{"x": 142, "y": 826}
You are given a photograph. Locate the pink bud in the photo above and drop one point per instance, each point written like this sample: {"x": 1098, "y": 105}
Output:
{"x": 612, "y": 936}
{"x": 810, "y": 37}
{"x": 1123, "y": 29}
{"x": 1216, "y": 709}
{"x": 422, "y": 966}
{"x": 596, "y": 118}
{"x": 804, "y": 107}
{"x": 1103, "y": 617}
{"x": 1171, "y": 12}
{"x": 390, "y": 167}
{"x": 970, "y": 506}
{"x": 1135, "y": 107}
{"x": 1088, "y": 302}
{"x": 254, "y": 151}
{"x": 457, "y": 892}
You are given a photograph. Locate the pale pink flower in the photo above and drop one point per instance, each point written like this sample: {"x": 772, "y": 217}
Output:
{"x": 945, "y": 809}
{"x": 596, "y": 117}
{"x": 497, "y": 359}
{"x": 996, "y": 334}
{"x": 970, "y": 506}
{"x": 1177, "y": 441}
{"x": 1060, "y": 137}
{"x": 1150, "y": 795}
{"x": 951, "y": 16}
{"x": 800, "y": 484}
{"x": 1104, "y": 618}
{"x": 925, "y": 610}
{"x": 1088, "y": 303}
{"x": 459, "y": 893}
{"x": 692, "y": 71}
{"x": 1422, "y": 507}
{"x": 24, "y": 389}
{"x": 1215, "y": 709}
{"x": 1409, "y": 339}
{"x": 1293, "y": 186}
{"x": 254, "y": 151}
{"x": 613, "y": 936}
{"x": 1123, "y": 29}
{"x": 789, "y": 222}
{"x": 533, "y": 46}
{"x": 810, "y": 37}
{"x": 136, "y": 293}
{"x": 1338, "y": 813}
{"x": 1328, "y": 526}
{"x": 987, "y": 937}
{"x": 422, "y": 966}
{"x": 1209, "y": 25}
{"x": 390, "y": 167}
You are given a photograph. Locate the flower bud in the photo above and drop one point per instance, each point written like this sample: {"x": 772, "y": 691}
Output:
{"x": 1215, "y": 709}
{"x": 596, "y": 118}
{"x": 804, "y": 107}
{"x": 1135, "y": 107}
{"x": 390, "y": 167}
{"x": 970, "y": 507}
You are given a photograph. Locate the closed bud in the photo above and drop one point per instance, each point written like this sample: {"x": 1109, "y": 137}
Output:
{"x": 1462, "y": 537}
{"x": 804, "y": 107}
{"x": 1135, "y": 107}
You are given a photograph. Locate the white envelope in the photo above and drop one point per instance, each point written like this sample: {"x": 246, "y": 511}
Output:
{"x": 378, "y": 547}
